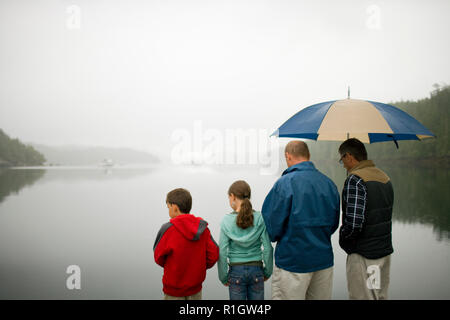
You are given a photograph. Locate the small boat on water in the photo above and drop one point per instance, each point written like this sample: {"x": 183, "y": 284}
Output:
{"x": 107, "y": 163}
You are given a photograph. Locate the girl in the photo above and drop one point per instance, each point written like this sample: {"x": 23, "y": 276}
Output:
{"x": 242, "y": 232}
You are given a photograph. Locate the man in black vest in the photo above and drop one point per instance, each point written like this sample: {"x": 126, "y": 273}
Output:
{"x": 366, "y": 231}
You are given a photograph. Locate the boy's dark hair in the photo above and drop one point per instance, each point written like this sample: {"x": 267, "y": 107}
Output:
{"x": 182, "y": 198}
{"x": 355, "y": 147}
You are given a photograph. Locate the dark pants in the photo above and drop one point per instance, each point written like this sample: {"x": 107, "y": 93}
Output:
{"x": 246, "y": 283}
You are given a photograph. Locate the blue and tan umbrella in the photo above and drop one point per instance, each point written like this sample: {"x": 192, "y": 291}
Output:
{"x": 367, "y": 121}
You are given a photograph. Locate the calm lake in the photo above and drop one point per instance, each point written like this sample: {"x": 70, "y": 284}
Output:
{"x": 105, "y": 222}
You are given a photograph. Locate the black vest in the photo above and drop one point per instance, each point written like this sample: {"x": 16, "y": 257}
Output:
{"x": 375, "y": 239}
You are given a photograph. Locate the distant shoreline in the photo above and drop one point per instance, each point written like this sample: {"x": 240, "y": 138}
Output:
{"x": 441, "y": 162}
{"x": 90, "y": 167}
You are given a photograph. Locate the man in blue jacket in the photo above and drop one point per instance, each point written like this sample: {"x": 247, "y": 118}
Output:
{"x": 301, "y": 212}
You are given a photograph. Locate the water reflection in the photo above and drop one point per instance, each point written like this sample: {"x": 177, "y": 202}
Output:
{"x": 421, "y": 196}
{"x": 106, "y": 221}
{"x": 12, "y": 181}
{"x": 420, "y": 193}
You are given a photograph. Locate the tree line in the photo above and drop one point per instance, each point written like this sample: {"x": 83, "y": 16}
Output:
{"x": 15, "y": 153}
{"x": 433, "y": 112}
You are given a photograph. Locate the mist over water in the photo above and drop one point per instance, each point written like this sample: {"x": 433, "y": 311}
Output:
{"x": 106, "y": 221}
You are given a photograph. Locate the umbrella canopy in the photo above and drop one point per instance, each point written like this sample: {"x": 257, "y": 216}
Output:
{"x": 368, "y": 121}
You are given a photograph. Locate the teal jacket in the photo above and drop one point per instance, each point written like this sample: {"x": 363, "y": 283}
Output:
{"x": 238, "y": 245}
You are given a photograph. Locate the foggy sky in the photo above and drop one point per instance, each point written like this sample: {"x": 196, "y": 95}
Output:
{"x": 129, "y": 73}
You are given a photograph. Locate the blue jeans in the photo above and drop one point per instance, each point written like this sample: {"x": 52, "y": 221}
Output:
{"x": 246, "y": 283}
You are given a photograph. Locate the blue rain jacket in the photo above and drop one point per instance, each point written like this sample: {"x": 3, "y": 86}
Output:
{"x": 301, "y": 212}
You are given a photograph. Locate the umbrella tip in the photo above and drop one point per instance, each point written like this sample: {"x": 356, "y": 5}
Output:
{"x": 348, "y": 92}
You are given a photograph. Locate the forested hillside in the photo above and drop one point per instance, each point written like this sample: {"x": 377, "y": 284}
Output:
{"x": 15, "y": 153}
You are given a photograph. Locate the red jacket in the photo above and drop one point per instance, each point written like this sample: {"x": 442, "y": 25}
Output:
{"x": 185, "y": 248}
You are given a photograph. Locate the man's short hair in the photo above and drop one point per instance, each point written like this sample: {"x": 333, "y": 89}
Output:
{"x": 182, "y": 198}
{"x": 355, "y": 147}
{"x": 298, "y": 149}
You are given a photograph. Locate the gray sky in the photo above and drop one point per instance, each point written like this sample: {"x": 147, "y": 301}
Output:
{"x": 129, "y": 73}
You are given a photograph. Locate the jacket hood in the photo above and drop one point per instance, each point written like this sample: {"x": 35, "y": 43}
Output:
{"x": 190, "y": 226}
{"x": 244, "y": 237}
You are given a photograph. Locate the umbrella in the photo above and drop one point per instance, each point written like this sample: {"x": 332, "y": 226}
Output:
{"x": 368, "y": 121}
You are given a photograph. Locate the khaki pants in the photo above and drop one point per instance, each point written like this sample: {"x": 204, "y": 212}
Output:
{"x": 288, "y": 285}
{"x": 367, "y": 279}
{"x": 197, "y": 296}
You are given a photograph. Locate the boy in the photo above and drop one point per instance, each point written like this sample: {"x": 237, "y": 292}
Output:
{"x": 185, "y": 248}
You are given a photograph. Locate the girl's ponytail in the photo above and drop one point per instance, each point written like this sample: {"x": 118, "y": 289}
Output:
{"x": 242, "y": 191}
{"x": 244, "y": 218}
